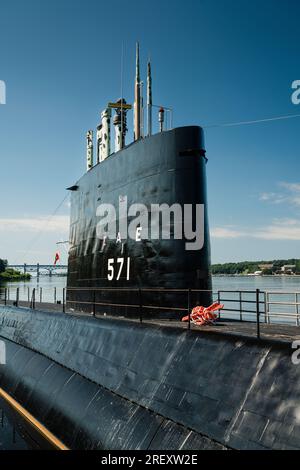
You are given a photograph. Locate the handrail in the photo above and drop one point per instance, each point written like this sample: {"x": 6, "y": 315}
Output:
{"x": 242, "y": 305}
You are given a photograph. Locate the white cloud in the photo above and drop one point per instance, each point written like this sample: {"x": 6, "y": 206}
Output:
{"x": 225, "y": 232}
{"x": 266, "y": 196}
{"x": 295, "y": 200}
{"x": 58, "y": 223}
{"x": 274, "y": 198}
{"x": 279, "y": 229}
{"x": 290, "y": 196}
{"x": 293, "y": 187}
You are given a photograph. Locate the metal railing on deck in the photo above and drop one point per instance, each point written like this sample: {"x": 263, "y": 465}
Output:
{"x": 32, "y": 297}
{"x": 288, "y": 302}
{"x": 253, "y": 306}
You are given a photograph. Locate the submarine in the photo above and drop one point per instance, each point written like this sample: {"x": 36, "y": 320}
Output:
{"x": 159, "y": 236}
{"x": 117, "y": 370}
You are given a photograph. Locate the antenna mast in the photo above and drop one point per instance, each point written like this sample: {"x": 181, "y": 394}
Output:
{"x": 149, "y": 99}
{"x": 137, "y": 96}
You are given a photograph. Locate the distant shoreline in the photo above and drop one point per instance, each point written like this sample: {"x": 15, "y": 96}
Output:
{"x": 11, "y": 275}
{"x": 257, "y": 275}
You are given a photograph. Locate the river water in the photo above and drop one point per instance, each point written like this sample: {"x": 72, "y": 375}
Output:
{"x": 269, "y": 283}
{"x": 11, "y": 437}
{"x": 264, "y": 283}
{"x": 47, "y": 287}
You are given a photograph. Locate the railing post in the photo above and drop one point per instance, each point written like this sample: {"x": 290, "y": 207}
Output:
{"x": 219, "y": 301}
{"x": 189, "y": 308}
{"x": 41, "y": 295}
{"x": 55, "y": 295}
{"x": 28, "y": 294}
{"x": 17, "y": 297}
{"x": 5, "y": 296}
{"x": 257, "y": 314}
{"x": 94, "y": 303}
{"x": 64, "y": 300}
{"x": 33, "y": 300}
{"x": 241, "y": 314}
{"x": 32, "y": 303}
{"x": 140, "y": 305}
{"x": 267, "y": 307}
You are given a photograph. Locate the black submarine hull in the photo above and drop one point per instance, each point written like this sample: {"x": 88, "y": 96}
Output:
{"x": 100, "y": 383}
{"x": 167, "y": 168}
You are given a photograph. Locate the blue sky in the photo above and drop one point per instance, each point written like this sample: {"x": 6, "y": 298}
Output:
{"x": 213, "y": 62}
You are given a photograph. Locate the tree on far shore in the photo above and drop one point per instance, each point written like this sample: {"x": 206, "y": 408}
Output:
{"x": 3, "y": 265}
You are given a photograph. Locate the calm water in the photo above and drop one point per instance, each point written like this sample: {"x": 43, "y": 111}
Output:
{"x": 45, "y": 286}
{"x": 10, "y": 435}
{"x": 270, "y": 283}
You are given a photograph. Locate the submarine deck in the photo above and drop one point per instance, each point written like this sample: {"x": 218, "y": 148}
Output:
{"x": 148, "y": 380}
{"x": 268, "y": 332}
